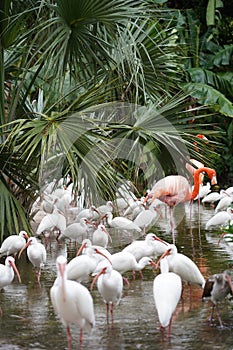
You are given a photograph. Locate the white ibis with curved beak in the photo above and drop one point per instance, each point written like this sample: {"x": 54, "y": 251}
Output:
{"x": 167, "y": 290}
{"x": 221, "y": 218}
{"x": 72, "y": 302}
{"x": 183, "y": 266}
{"x": 110, "y": 287}
{"x": 36, "y": 253}
{"x": 86, "y": 243}
{"x": 125, "y": 261}
{"x": 217, "y": 287}
{"x": 7, "y": 272}
{"x": 101, "y": 236}
{"x": 151, "y": 246}
{"x": 12, "y": 244}
{"x": 80, "y": 267}
{"x": 91, "y": 213}
{"x": 121, "y": 223}
{"x": 76, "y": 231}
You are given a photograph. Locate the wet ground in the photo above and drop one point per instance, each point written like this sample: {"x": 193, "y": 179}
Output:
{"x": 28, "y": 320}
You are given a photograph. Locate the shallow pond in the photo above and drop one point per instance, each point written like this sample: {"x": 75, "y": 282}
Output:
{"x": 28, "y": 320}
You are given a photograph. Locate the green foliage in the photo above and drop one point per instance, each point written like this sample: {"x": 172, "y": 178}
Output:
{"x": 72, "y": 75}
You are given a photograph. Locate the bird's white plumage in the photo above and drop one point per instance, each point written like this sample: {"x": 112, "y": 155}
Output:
{"x": 120, "y": 222}
{"x": 219, "y": 219}
{"x": 80, "y": 267}
{"x": 151, "y": 246}
{"x": 76, "y": 231}
{"x": 13, "y": 244}
{"x": 7, "y": 272}
{"x": 101, "y": 236}
{"x": 183, "y": 266}
{"x": 72, "y": 301}
{"x": 110, "y": 287}
{"x": 167, "y": 289}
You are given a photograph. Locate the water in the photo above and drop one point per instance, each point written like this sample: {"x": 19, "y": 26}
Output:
{"x": 28, "y": 320}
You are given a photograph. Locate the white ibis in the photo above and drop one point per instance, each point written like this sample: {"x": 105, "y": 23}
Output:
{"x": 146, "y": 218}
{"x": 224, "y": 203}
{"x": 80, "y": 267}
{"x": 86, "y": 243}
{"x": 36, "y": 253}
{"x": 103, "y": 209}
{"x": 121, "y": 223}
{"x": 203, "y": 190}
{"x": 110, "y": 287}
{"x": 13, "y": 244}
{"x": 220, "y": 219}
{"x": 211, "y": 198}
{"x": 91, "y": 213}
{"x": 76, "y": 231}
{"x": 51, "y": 222}
{"x": 183, "y": 266}
{"x": 47, "y": 205}
{"x": 7, "y": 272}
{"x": 101, "y": 236}
{"x": 72, "y": 302}
{"x": 125, "y": 261}
{"x": 167, "y": 290}
{"x": 151, "y": 246}
{"x": 216, "y": 289}
{"x": 229, "y": 190}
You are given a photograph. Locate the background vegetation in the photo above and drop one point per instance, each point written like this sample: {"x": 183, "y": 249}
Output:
{"x": 64, "y": 63}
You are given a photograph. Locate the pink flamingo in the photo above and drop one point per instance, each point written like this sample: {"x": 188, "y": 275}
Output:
{"x": 174, "y": 189}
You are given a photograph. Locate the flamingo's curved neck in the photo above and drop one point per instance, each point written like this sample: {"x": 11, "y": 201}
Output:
{"x": 210, "y": 172}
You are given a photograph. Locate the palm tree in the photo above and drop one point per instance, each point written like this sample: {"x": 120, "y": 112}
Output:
{"x": 64, "y": 67}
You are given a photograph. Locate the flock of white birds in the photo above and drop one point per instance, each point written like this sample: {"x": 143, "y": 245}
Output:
{"x": 58, "y": 215}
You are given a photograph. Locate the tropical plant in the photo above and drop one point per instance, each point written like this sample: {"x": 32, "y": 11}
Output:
{"x": 60, "y": 80}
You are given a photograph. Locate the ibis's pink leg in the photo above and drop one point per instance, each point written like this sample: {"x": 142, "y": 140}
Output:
{"x": 69, "y": 337}
{"x": 107, "y": 312}
{"x": 169, "y": 328}
{"x": 126, "y": 281}
{"x": 111, "y": 310}
{"x": 81, "y": 338}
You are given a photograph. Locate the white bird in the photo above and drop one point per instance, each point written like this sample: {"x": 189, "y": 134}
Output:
{"x": 52, "y": 222}
{"x": 229, "y": 190}
{"x": 204, "y": 190}
{"x": 134, "y": 208}
{"x": 7, "y": 272}
{"x": 167, "y": 290}
{"x": 146, "y": 218}
{"x": 121, "y": 223}
{"x": 36, "y": 254}
{"x": 91, "y": 213}
{"x": 103, "y": 209}
{"x": 125, "y": 261}
{"x": 13, "y": 244}
{"x": 76, "y": 231}
{"x": 151, "y": 246}
{"x": 110, "y": 287}
{"x": 101, "y": 236}
{"x": 220, "y": 219}
{"x": 183, "y": 266}
{"x": 47, "y": 205}
{"x": 211, "y": 198}
{"x": 86, "y": 243}
{"x": 82, "y": 266}
{"x": 72, "y": 302}
{"x": 224, "y": 203}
